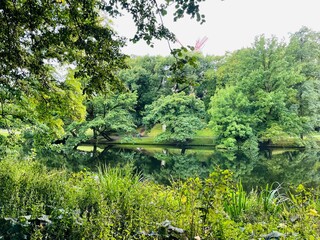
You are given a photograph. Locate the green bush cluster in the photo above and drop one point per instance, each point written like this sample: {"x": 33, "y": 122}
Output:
{"x": 114, "y": 203}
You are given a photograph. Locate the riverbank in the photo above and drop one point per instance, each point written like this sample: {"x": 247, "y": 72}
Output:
{"x": 205, "y": 138}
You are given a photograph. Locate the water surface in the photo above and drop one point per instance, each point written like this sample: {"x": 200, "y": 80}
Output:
{"x": 254, "y": 169}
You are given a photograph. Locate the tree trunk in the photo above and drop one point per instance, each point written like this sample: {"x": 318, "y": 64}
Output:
{"x": 301, "y": 136}
{"x": 95, "y": 142}
{"x": 106, "y": 136}
{"x": 183, "y": 151}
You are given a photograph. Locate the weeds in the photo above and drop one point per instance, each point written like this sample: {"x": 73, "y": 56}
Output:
{"x": 114, "y": 203}
{"x": 272, "y": 199}
{"x": 237, "y": 203}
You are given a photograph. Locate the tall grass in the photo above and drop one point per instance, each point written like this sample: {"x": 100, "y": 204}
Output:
{"x": 271, "y": 198}
{"x": 237, "y": 203}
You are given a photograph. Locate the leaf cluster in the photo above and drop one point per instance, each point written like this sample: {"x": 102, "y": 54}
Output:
{"x": 180, "y": 113}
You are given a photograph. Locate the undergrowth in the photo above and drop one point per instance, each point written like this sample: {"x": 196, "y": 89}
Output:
{"x": 114, "y": 203}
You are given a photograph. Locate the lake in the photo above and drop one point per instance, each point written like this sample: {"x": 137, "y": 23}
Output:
{"x": 288, "y": 167}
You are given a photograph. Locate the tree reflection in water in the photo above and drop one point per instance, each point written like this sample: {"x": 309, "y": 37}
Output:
{"x": 164, "y": 165}
{"x": 285, "y": 166}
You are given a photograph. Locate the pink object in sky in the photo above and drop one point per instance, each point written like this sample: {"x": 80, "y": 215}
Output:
{"x": 200, "y": 43}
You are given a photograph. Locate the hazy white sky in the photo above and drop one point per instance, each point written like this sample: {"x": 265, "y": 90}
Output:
{"x": 232, "y": 24}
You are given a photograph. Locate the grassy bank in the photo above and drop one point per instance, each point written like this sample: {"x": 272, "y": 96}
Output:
{"x": 205, "y": 137}
{"x": 4, "y": 132}
{"x": 116, "y": 204}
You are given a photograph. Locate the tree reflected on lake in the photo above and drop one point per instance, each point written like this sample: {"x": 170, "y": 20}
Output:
{"x": 288, "y": 167}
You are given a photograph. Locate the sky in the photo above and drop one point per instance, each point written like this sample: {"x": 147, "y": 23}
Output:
{"x": 230, "y": 25}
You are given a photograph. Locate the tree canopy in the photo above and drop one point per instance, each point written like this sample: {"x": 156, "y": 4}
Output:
{"x": 181, "y": 115}
{"x": 268, "y": 90}
{"x": 35, "y": 34}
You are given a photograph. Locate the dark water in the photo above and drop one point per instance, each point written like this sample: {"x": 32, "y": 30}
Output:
{"x": 254, "y": 169}
{"x": 287, "y": 167}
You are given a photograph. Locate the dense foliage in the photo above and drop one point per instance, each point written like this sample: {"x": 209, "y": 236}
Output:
{"x": 258, "y": 94}
{"x": 252, "y": 96}
{"x": 114, "y": 204}
{"x": 181, "y": 115}
{"x": 41, "y": 37}
{"x": 261, "y": 94}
